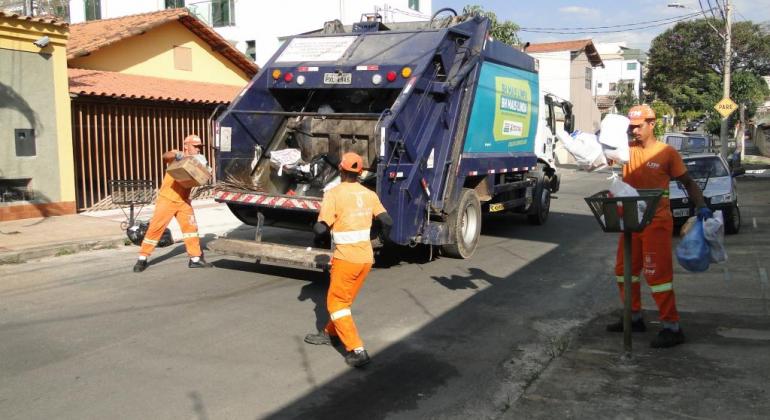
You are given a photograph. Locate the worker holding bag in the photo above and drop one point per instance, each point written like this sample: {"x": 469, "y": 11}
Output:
{"x": 652, "y": 165}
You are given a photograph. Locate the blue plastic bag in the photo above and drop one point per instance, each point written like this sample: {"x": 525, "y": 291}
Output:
{"x": 693, "y": 251}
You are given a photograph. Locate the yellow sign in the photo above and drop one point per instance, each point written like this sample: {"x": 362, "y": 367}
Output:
{"x": 726, "y": 107}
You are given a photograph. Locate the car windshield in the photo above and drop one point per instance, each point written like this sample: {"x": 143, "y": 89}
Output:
{"x": 697, "y": 144}
{"x": 703, "y": 168}
{"x": 676, "y": 141}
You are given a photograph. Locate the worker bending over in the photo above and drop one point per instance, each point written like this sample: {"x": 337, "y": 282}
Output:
{"x": 348, "y": 210}
{"x": 174, "y": 201}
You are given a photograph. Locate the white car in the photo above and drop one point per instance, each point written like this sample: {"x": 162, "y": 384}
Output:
{"x": 713, "y": 176}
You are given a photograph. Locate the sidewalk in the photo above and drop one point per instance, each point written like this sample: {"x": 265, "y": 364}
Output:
{"x": 721, "y": 371}
{"x": 22, "y": 240}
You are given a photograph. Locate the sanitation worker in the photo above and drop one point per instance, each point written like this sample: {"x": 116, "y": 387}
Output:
{"x": 348, "y": 210}
{"x": 174, "y": 201}
{"x": 652, "y": 165}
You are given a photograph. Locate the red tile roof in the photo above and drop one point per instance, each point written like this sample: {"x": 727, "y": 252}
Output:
{"x": 128, "y": 86}
{"x": 575, "y": 45}
{"x": 51, "y": 20}
{"x": 88, "y": 37}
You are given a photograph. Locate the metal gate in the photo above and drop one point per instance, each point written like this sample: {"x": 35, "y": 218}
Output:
{"x": 123, "y": 139}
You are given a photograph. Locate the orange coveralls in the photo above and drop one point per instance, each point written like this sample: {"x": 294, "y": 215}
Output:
{"x": 650, "y": 168}
{"x": 348, "y": 209}
{"x": 173, "y": 201}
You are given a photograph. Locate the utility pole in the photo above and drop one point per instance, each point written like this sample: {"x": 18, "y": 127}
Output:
{"x": 726, "y": 87}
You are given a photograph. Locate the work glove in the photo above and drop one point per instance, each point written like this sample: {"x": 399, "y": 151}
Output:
{"x": 704, "y": 213}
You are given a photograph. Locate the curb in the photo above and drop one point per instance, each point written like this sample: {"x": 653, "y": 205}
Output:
{"x": 55, "y": 250}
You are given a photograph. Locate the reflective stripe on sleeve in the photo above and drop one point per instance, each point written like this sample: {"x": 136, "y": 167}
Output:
{"x": 351, "y": 236}
{"x": 634, "y": 279}
{"x": 665, "y": 287}
{"x": 190, "y": 235}
{"x": 340, "y": 314}
{"x": 150, "y": 241}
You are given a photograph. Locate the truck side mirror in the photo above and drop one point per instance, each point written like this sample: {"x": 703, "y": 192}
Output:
{"x": 569, "y": 123}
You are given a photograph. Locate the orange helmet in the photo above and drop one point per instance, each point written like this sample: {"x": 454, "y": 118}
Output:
{"x": 193, "y": 139}
{"x": 352, "y": 162}
{"x": 640, "y": 113}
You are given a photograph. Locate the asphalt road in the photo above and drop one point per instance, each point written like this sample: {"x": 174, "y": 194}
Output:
{"x": 81, "y": 336}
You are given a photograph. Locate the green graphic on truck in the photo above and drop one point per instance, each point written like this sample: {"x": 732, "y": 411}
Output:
{"x": 504, "y": 111}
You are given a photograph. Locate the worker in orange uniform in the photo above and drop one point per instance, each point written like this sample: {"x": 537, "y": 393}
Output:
{"x": 652, "y": 165}
{"x": 174, "y": 201}
{"x": 348, "y": 210}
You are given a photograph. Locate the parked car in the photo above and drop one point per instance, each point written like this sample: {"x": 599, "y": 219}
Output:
{"x": 688, "y": 143}
{"x": 719, "y": 188}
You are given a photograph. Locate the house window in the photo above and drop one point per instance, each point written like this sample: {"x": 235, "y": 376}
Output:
{"x": 630, "y": 66}
{"x": 599, "y": 85}
{"x": 414, "y": 4}
{"x": 613, "y": 87}
{"x": 174, "y": 4}
{"x": 16, "y": 189}
{"x": 251, "y": 50}
{"x": 222, "y": 13}
{"x": 182, "y": 58}
{"x": 588, "y": 78}
{"x": 93, "y": 9}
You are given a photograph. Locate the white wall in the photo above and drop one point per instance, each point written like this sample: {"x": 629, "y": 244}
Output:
{"x": 615, "y": 69}
{"x": 265, "y": 21}
{"x": 555, "y": 73}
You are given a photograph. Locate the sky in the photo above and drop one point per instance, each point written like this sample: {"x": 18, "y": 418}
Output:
{"x": 563, "y": 14}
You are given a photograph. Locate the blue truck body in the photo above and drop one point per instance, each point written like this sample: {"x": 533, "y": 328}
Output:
{"x": 446, "y": 120}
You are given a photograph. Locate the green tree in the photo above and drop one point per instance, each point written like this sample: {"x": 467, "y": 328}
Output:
{"x": 665, "y": 114}
{"x": 503, "y": 31}
{"x": 626, "y": 98}
{"x": 685, "y": 67}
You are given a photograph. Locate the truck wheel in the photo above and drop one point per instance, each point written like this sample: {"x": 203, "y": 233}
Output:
{"x": 733, "y": 221}
{"x": 541, "y": 203}
{"x": 464, "y": 226}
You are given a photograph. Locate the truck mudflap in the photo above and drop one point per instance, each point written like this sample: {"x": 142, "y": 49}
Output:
{"x": 305, "y": 257}
{"x": 267, "y": 200}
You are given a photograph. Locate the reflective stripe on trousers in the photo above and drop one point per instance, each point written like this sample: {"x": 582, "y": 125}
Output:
{"x": 351, "y": 236}
{"x": 340, "y": 314}
{"x": 621, "y": 279}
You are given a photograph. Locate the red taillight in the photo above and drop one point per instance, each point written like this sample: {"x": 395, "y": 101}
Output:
{"x": 288, "y": 77}
{"x": 391, "y": 76}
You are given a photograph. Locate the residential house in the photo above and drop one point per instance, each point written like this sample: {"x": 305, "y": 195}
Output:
{"x": 36, "y": 168}
{"x": 254, "y": 27}
{"x": 139, "y": 85}
{"x": 566, "y": 70}
{"x": 623, "y": 69}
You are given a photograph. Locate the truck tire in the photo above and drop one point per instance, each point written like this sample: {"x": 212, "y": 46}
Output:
{"x": 464, "y": 226}
{"x": 541, "y": 202}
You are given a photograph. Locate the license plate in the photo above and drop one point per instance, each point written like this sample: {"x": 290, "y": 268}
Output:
{"x": 496, "y": 207}
{"x": 681, "y": 212}
{"x": 338, "y": 78}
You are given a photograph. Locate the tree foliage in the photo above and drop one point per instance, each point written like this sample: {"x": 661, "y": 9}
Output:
{"x": 626, "y": 98}
{"x": 685, "y": 67}
{"x": 503, "y": 31}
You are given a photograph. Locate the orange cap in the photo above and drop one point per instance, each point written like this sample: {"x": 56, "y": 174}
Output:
{"x": 193, "y": 139}
{"x": 351, "y": 162}
{"x": 640, "y": 113}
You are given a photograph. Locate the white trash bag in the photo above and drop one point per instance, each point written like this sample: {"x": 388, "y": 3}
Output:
{"x": 614, "y": 138}
{"x": 714, "y": 231}
{"x": 285, "y": 157}
{"x": 584, "y": 147}
{"x": 618, "y": 188}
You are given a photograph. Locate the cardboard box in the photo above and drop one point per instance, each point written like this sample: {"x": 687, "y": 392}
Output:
{"x": 189, "y": 172}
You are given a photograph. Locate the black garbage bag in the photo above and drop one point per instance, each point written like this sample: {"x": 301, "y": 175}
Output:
{"x": 136, "y": 234}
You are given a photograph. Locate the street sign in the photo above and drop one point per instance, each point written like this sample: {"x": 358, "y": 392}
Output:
{"x": 725, "y": 107}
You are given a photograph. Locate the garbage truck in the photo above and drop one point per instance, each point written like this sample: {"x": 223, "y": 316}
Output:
{"x": 450, "y": 123}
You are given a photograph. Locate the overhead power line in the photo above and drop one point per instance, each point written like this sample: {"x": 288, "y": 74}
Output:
{"x": 598, "y": 30}
{"x": 614, "y": 26}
